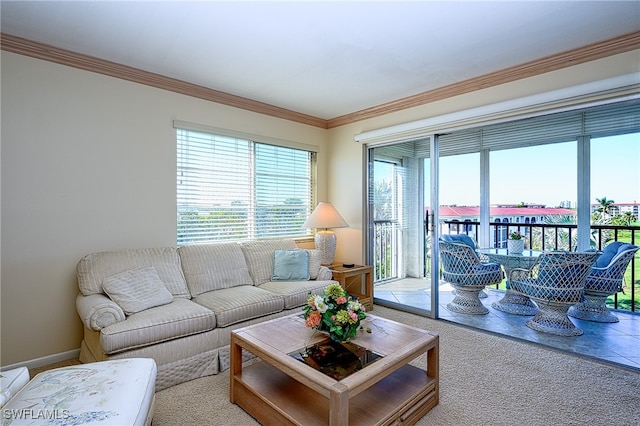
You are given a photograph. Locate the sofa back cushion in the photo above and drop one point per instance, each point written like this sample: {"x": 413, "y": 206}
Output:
{"x": 94, "y": 268}
{"x": 259, "y": 257}
{"x": 214, "y": 266}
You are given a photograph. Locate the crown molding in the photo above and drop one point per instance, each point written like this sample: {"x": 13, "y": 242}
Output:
{"x": 49, "y": 53}
{"x": 591, "y": 52}
{"x": 595, "y": 93}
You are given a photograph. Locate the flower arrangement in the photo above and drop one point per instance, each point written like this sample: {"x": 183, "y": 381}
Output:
{"x": 336, "y": 312}
{"x": 515, "y": 235}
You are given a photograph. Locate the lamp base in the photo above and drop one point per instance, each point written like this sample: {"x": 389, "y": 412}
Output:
{"x": 326, "y": 244}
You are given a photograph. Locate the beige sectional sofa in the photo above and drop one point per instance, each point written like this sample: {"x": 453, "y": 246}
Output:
{"x": 178, "y": 305}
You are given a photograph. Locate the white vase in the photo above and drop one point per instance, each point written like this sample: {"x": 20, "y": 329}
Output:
{"x": 515, "y": 246}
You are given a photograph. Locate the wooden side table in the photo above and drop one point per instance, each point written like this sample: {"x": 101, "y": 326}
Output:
{"x": 357, "y": 280}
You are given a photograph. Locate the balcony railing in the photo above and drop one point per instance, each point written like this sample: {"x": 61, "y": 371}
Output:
{"x": 539, "y": 237}
{"x": 385, "y": 255}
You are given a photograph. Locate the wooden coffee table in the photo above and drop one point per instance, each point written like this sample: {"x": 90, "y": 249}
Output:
{"x": 278, "y": 389}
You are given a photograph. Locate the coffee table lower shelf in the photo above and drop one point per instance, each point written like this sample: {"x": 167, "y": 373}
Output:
{"x": 274, "y": 398}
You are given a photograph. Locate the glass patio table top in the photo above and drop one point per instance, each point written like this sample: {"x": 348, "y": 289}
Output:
{"x": 513, "y": 302}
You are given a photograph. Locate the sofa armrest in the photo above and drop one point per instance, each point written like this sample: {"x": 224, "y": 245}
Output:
{"x": 324, "y": 274}
{"x": 98, "y": 311}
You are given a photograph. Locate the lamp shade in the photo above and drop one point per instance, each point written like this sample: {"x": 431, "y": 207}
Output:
{"x": 325, "y": 216}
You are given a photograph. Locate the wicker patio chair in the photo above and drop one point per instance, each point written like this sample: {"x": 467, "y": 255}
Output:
{"x": 604, "y": 280}
{"x": 554, "y": 282}
{"x": 464, "y": 238}
{"x": 468, "y": 275}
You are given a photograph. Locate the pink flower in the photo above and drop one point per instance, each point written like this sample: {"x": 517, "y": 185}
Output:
{"x": 313, "y": 320}
{"x": 341, "y": 300}
{"x": 353, "y": 316}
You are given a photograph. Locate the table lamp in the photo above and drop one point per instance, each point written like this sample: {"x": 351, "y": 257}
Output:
{"x": 325, "y": 216}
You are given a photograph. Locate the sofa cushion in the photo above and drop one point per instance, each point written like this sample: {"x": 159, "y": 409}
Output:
{"x": 295, "y": 293}
{"x": 137, "y": 289}
{"x": 259, "y": 257}
{"x": 179, "y": 318}
{"x": 237, "y": 304}
{"x": 210, "y": 267}
{"x": 290, "y": 265}
{"x": 92, "y": 269}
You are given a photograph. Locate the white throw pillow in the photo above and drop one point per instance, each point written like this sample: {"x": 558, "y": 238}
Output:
{"x": 137, "y": 289}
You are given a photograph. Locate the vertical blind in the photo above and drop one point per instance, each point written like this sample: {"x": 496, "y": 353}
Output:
{"x": 599, "y": 121}
{"x": 230, "y": 188}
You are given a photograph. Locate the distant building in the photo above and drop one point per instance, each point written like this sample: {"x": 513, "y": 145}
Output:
{"x": 463, "y": 216}
{"x": 621, "y": 208}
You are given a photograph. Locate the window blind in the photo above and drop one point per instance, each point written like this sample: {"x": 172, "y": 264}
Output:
{"x": 600, "y": 121}
{"x": 230, "y": 188}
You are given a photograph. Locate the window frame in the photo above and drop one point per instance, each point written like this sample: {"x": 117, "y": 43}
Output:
{"x": 247, "y": 216}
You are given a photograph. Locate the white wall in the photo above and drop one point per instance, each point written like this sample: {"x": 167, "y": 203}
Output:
{"x": 89, "y": 164}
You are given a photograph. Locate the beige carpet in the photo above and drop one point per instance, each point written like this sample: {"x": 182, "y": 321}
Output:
{"x": 484, "y": 380}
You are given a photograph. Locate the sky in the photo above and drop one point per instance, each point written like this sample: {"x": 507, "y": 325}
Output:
{"x": 545, "y": 174}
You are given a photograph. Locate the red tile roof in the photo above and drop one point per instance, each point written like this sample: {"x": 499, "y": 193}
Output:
{"x": 474, "y": 211}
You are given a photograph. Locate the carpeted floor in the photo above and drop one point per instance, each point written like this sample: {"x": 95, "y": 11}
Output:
{"x": 484, "y": 380}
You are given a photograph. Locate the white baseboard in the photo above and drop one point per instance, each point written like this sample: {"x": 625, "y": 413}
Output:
{"x": 45, "y": 360}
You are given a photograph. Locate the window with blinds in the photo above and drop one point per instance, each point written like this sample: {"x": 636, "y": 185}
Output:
{"x": 229, "y": 188}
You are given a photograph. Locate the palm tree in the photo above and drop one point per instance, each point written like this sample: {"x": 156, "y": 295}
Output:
{"x": 599, "y": 238}
{"x": 628, "y": 218}
{"x": 382, "y": 200}
{"x": 559, "y": 234}
{"x": 605, "y": 206}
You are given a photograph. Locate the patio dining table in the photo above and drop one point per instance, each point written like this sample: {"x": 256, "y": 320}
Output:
{"x": 513, "y": 302}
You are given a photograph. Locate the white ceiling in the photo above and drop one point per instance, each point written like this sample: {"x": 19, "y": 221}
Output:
{"x": 324, "y": 59}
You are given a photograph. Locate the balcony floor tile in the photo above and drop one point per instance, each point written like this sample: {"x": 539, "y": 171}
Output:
{"x": 617, "y": 343}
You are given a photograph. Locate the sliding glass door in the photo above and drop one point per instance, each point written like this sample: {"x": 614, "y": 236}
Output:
{"x": 458, "y": 182}
{"x": 398, "y": 245}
